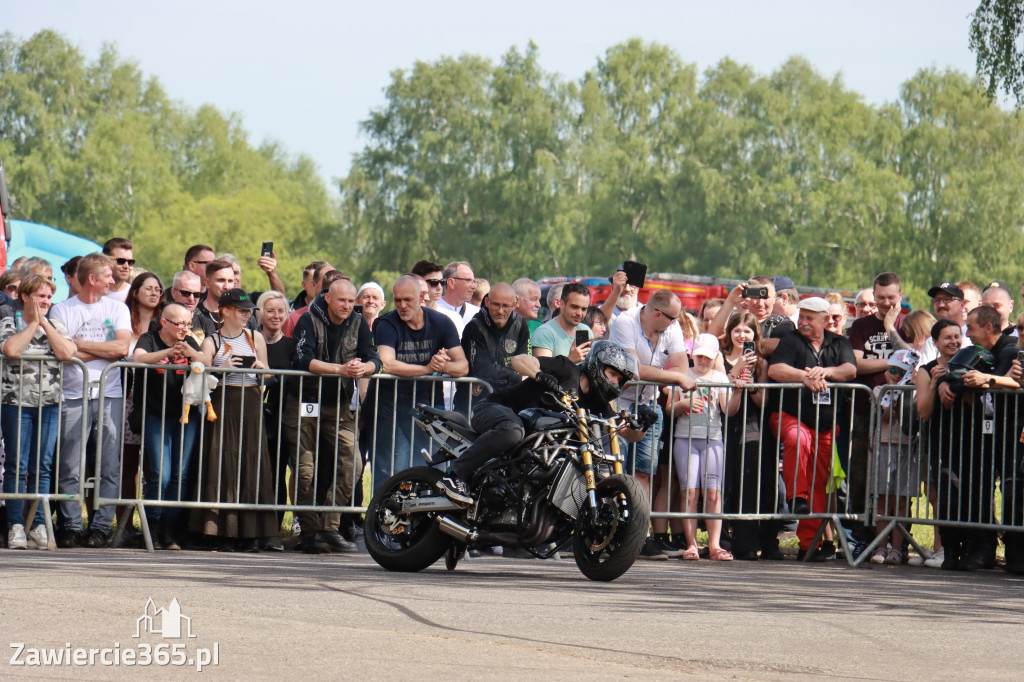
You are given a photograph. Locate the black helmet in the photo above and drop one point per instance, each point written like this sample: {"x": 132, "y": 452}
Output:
{"x": 611, "y": 355}
{"x": 966, "y": 359}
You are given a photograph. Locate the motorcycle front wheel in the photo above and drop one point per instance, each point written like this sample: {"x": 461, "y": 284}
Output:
{"x": 605, "y": 548}
{"x": 409, "y": 542}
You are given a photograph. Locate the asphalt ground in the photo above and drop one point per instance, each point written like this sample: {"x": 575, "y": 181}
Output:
{"x": 341, "y": 617}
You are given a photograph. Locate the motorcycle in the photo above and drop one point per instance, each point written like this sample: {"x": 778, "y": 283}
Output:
{"x": 558, "y": 486}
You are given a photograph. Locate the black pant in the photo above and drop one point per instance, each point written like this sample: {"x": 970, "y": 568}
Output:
{"x": 500, "y": 430}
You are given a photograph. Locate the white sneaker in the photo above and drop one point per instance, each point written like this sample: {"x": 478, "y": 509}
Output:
{"x": 37, "y": 538}
{"x": 936, "y": 560}
{"x": 918, "y": 560}
{"x": 16, "y": 537}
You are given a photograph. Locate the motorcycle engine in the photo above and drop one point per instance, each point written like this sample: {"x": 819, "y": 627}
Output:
{"x": 498, "y": 507}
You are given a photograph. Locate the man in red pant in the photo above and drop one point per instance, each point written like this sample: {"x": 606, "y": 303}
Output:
{"x": 815, "y": 358}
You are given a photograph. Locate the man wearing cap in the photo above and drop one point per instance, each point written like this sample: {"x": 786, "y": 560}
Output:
{"x": 815, "y": 358}
{"x": 948, "y": 304}
{"x": 997, "y": 295}
{"x": 330, "y": 341}
{"x": 786, "y": 298}
{"x": 651, "y": 334}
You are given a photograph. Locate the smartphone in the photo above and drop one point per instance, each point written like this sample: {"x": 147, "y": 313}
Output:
{"x": 1020, "y": 357}
{"x": 246, "y": 360}
{"x": 755, "y": 292}
{"x": 582, "y": 337}
{"x": 748, "y": 347}
{"x": 636, "y": 273}
{"x": 267, "y": 251}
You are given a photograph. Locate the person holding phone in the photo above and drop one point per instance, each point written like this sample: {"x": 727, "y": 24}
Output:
{"x": 564, "y": 335}
{"x": 235, "y": 462}
{"x": 751, "y": 469}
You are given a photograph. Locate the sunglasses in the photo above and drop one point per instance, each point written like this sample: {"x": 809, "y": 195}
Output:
{"x": 435, "y": 282}
{"x": 896, "y": 371}
{"x": 670, "y": 318}
{"x": 189, "y": 294}
{"x": 125, "y": 261}
{"x": 11, "y": 287}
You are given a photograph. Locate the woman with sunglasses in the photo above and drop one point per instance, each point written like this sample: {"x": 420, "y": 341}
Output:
{"x": 145, "y": 302}
{"x": 234, "y": 465}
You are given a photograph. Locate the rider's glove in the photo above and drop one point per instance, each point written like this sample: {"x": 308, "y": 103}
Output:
{"x": 646, "y": 416}
{"x": 548, "y": 381}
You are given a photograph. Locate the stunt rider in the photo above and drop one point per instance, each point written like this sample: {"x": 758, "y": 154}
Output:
{"x": 597, "y": 380}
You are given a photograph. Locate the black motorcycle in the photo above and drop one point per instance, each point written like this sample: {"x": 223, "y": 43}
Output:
{"x": 559, "y": 485}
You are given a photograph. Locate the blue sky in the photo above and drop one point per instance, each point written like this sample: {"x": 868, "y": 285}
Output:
{"x": 305, "y": 73}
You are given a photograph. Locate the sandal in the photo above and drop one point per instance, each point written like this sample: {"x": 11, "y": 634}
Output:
{"x": 691, "y": 554}
{"x": 719, "y": 555}
{"x": 878, "y": 557}
{"x": 894, "y": 557}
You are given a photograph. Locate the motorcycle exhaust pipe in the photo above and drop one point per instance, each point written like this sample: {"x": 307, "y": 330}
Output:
{"x": 472, "y": 537}
{"x": 456, "y": 530}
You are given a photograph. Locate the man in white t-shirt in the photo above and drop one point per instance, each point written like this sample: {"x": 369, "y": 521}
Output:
{"x": 458, "y": 290}
{"x": 121, "y": 253}
{"x": 101, "y": 329}
{"x": 651, "y": 334}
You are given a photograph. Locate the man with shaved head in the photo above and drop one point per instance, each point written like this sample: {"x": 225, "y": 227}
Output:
{"x": 413, "y": 341}
{"x": 493, "y": 337}
{"x": 333, "y": 342}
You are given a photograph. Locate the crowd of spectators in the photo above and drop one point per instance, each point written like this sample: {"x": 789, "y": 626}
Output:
{"x": 724, "y": 441}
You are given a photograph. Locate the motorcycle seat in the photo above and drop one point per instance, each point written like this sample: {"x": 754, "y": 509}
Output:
{"x": 456, "y": 418}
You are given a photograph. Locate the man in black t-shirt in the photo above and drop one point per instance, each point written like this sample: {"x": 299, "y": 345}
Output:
{"x": 815, "y": 358}
{"x": 412, "y": 341}
{"x": 168, "y": 444}
{"x": 597, "y": 380}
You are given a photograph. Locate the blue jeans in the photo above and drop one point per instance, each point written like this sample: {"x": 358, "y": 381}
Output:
{"x": 642, "y": 456}
{"x": 31, "y": 434}
{"x": 108, "y": 463}
{"x": 167, "y": 453}
{"x": 396, "y": 441}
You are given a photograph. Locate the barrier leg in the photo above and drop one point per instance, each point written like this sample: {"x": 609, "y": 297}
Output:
{"x": 51, "y": 541}
{"x": 146, "y": 537}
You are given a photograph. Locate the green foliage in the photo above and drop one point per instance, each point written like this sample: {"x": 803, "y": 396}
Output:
{"x": 996, "y": 27}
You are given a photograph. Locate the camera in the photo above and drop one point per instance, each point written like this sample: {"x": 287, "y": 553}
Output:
{"x": 755, "y": 292}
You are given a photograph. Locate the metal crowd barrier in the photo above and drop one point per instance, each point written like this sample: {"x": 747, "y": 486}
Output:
{"x": 960, "y": 470}
{"x": 233, "y": 471}
{"x": 753, "y": 487}
{"x": 32, "y": 467}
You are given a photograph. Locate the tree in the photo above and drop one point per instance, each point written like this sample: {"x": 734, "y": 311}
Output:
{"x": 995, "y": 37}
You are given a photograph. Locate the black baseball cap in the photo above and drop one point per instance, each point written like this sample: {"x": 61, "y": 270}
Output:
{"x": 997, "y": 284}
{"x": 948, "y": 287}
{"x": 237, "y": 298}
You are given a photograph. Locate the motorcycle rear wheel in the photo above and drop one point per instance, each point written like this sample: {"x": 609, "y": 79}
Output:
{"x": 410, "y": 543}
{"x": 606, "y": 548}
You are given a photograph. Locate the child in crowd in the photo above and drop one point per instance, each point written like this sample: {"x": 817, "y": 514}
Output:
{"x": 896, "y": 472}
{"x": 699, "y": 449}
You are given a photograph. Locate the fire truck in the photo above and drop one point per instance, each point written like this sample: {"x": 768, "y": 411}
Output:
{"x": 692, "y": 290}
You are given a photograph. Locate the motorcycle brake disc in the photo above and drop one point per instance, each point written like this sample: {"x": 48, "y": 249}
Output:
{"x": 607, "y": 536}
